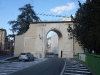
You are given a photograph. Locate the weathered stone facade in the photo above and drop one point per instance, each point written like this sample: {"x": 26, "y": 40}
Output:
{"x": 34, "y": 40}
{"x": 2, "y": 39}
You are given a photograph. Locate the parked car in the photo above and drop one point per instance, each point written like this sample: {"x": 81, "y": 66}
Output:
{"x": 26, "y": 57}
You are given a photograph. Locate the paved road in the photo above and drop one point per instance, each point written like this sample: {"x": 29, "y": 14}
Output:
{"x": 51, "y": 66}
{"x": 74, "y": 67}
{"x": 8, "y": 68}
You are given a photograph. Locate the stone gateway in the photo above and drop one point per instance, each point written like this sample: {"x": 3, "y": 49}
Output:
{"x": 35, "y": 40}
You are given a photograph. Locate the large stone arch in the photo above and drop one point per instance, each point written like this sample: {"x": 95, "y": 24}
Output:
{"x": 34, "y": 40}
{"x": 59, "y": 33}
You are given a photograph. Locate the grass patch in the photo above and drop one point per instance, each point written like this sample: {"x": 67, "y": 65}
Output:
{"x": 12, "y": 59}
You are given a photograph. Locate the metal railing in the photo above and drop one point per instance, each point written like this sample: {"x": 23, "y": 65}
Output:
{"x": 92, "y": 61}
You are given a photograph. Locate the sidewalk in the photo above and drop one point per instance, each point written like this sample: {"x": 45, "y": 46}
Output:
{"x": 75, "y": 67}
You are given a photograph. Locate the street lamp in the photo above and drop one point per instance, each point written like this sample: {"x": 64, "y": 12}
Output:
{"x": 40, "y": 36}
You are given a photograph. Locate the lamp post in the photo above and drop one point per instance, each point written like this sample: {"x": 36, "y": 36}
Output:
{"x": 40, "y": 36}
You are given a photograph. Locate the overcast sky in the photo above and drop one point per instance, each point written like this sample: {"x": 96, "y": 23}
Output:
{"x": 9, "y": 9}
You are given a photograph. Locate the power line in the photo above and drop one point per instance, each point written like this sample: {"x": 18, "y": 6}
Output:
{"x": 51, "y": 15}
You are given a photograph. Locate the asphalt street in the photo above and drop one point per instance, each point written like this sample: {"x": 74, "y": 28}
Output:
{"x": 45, "y": 66}
{"x": 51, "y": 66}
{"x": 11, "y": 67}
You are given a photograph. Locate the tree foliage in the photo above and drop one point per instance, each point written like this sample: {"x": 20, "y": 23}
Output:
{"x": 11, "y": 36}
{"x": 87, "y": 26}
{"x": 21, "y": 25}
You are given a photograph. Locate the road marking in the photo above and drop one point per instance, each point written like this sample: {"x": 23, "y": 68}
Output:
{"x": 77, "y": 71}
{"x": 74, "y": 74}
{"x": 75, "y": 68}
{"x": 3, "y": 73}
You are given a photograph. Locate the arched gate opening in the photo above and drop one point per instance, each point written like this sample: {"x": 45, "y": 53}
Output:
{"x": 52, "y": 43}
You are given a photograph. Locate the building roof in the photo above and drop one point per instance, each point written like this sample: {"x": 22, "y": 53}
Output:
{"x": 2, "y": 29}
{"x": 53, "y": 22}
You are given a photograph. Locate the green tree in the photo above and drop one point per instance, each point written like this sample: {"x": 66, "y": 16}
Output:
{"x": 11, "y": 36}
{"x": 87, "y": 27}
{"x": 21, "y": 25}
